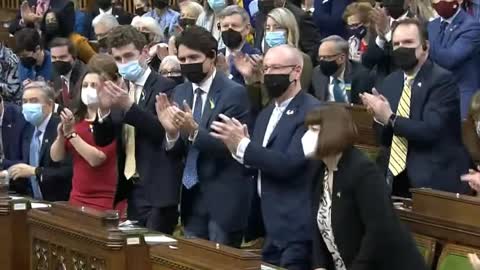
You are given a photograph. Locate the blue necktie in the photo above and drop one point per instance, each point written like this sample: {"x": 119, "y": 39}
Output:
{"x": 35, "y": 145}
{"x": 338, "y": 93}
{"x": 190, "y": 175}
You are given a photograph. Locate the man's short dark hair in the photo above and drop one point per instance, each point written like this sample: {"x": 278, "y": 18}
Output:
{"x": 60, "y": 42}
{"x": 126, "y": 34}
{"x": 420, "y": 26}
{"x": 198, "y": 39}
{"x": 27, "y": 39}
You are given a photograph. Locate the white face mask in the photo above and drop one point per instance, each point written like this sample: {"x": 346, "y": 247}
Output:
{"x": 310, "y": 141}
{"x": 89, "y": 96}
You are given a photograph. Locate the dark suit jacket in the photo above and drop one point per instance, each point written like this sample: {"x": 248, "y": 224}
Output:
{"x": 367, "y": 232}
{"x": 64, "y": 11}
{"x": 309, "y": 36}
{"x": 378, "y": 59}
{"x": 246, "y": 49}
{"x": 159, "y": 175}
{"x": 123, "y": 17}
{"x": 328, "y": 17}
{"x": 78, "y": 71}
{"x": 221, "y": 178}
{"x": 284, "y": 184}
{"x": 13, "y": 127}
{"x": 355, "y": 74}
{"x": 56, "y": 177}
{"x": 458, "y": 52}
{"x": 436, "y": 156}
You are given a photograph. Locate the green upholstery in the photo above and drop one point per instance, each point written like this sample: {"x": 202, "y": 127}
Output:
{"x": 423, "y": 250}
{"x": 454, "y": 262}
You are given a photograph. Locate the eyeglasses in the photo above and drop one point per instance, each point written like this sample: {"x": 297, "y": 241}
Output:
{"x": 327, "y": 57}
{"x": 173, "y": 73}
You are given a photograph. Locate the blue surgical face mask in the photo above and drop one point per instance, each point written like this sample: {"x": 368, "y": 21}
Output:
{"x": 217, "y": 5}
{"x": 131, "y": 71}
{"x": 275, "y": 38}
{"x": 33, "y": 113}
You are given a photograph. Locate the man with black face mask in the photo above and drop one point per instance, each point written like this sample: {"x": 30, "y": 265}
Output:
{"x": 309, "y": 36}
{"x": 166, "y": 17}
{"x": 235, "y": 26}
{"x": 417, "y": 109}
{"x": 35, "y": 61}
{"x": 68, "y": 71}
{"x": 378, "y": 54}
{"x": 105, "y": 7}
{"x": 337, "y": 78}
{"x": 275, "y": 151}
{"x": 216, "y": 193}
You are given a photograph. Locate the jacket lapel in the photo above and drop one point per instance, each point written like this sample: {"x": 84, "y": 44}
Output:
{"x": 347, "y": 78}
{"x": 49, "y": 135}
{"x": 418, "y": 86}
{"x": 451, "y": 28}
{"x": 262, "y": 123}
{"x": 213, "y": 97}
{"x": 290, "y": 112}
{"x": 147, "y": 92}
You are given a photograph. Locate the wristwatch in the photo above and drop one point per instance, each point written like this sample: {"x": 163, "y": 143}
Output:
{"x": 71, "y": 136}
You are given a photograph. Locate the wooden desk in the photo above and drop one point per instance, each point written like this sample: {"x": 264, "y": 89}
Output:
{"x": 77, "y": 238}
{"x": 14, "y": 248}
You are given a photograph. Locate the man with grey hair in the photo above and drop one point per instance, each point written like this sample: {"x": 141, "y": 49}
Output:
{"x": 102, "y": 25}
{"x": 170, "y": 68}
{"x": 235, "y": 26}
{"x": 37, "y": 175}
{"x": 275, "y": 150}
{"x": 337, "y": 78}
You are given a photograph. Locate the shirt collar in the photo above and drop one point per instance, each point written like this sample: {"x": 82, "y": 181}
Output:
{"x": 43, "y": 125}
{"x": 205, "y": 86}
{"x": 404, "y": 16}
{"x": 282, "y": 106}
{"x": 340, "y": 78}
{"x": 142, "y": 80}
{"x": 109, "y": 11}
{"x": 450, "y": 20}
{"x": 3, "y": 113}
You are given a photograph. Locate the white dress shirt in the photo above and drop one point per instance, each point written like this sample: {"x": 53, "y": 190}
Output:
{"x": 101, "y": 11}
{"x": 205, "y": 86}
{"x": 272, "y": 123}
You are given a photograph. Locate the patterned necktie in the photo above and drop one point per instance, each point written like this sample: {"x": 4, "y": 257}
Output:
{"x": 130, "y": 162}
{"x": 35, "y": 146}
{"x": 338, "y": 92}
{"x": 190, "y": 175}
{"x": 399, "y": 147}
{"x": 65, "y": 94}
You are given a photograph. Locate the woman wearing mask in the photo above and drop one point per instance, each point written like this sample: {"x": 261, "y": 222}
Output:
{"x": 141, "y": 7}
{"x": 355, "y": 226}
{"x": 153, "y": 33}
{"x": 94, "y": 168}
{"x": 356, "y": 16}
{"x": 170, "y": 68}
{"x": 189, "y": 13}
{"x": 209, "y": 20}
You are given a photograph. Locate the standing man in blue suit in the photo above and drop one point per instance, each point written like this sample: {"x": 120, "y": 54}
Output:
{"x": 455, "y": 46}
{"x": 216, "y": 194}
{"x": 235, "y": 26}
{"x": 12, "y": 125}
{"x": 418, "y": 111}
{"x": 275, "y": 152}
{"x": 328, "y": 17}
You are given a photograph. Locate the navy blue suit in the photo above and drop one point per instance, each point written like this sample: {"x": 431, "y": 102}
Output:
{"x": 55, "y": 178}
{"x": 284, "y": 192}
{"x": 13, "y": 126}
{"x": 436, "y": 157}
{"x": 457, "y": 49}
{"x": 223, "y": 185}
{"x": 328, "y": 17}
{"x": 236, "y": 75}
{"x": 153, "y": 198}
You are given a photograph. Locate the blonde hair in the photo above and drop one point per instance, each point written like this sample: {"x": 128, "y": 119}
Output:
{"x": 151, "y": 25}
{"x": 422, "y": 9}
{"x": 285, "y": 19}
{"x": 474, "y": 110}
{"x": 191, "y": 10}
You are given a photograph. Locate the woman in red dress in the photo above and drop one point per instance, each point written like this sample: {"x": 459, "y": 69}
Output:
{"x": 94, "y": 168}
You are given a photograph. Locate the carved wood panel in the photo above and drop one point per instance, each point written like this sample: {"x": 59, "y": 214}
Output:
{"x": 59, "y": 257}
{"x": 97, "y": 264}
{"x": 79, "y": 260}
{"x": 40, "y": 255}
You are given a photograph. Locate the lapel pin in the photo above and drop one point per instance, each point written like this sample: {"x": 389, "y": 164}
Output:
{"x": 9, "y": 125}
{"x": 46, "y": 140}
{"x": 339, "y": 194}
{"x": 290, "y": 112}
{"x": 212, "y": 104}
{"x": 419, "y": 84}
{"x": 143, "y": 95}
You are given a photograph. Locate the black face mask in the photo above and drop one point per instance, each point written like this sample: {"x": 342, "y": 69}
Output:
{"x": 147, "y": 36}
{"x": 185, "y": 22}
{"x": 328, "y": 68}
{"x": 265, "y": 6}
{"x": 62, "y": 67}
{"x": 51, "y": 28}
{"x": 193, "y": 72}
{"x": 358, "y": 32}
{"x": 140, "y": 11}
{"x": 405, "y": 58}
{"x": 28, "y": 62}
{"x": 102, "y": 43}
{"x": 178, "y": 79}
{"x": 395, "y": 11}
{"x": 104, "y": 4}
{"x": 160, "y": 4}
{"x": 276, "y": 84}
{"x": 232, "y": 39}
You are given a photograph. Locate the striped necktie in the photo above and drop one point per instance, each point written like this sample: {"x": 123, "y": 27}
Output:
{"x": 399, "y": 147}
{"x": 129, "y": 133}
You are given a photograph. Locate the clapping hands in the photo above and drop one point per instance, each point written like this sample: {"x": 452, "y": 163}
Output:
{"x": 378, "y": 105}
{"x": 173, "y": 119}
{"x": 27, "y": 13}
{"x": 250, "y": 66}
{"x": 473, "y": 179}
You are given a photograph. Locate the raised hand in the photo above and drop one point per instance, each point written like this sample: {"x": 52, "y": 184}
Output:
{"x": 381, "y": 20}
{"x": 60, "y": 133}
{"x": 68, "y": 121}
{"x": 230, "y": 131}
{"x": 27, "y": 13}
{"x": 165, "y": 114}
{"x": 119, "y": 95}
{"x": 250, "y": 66}
{"x": 222, "y": 64}
{"x": 189, "y": 125}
